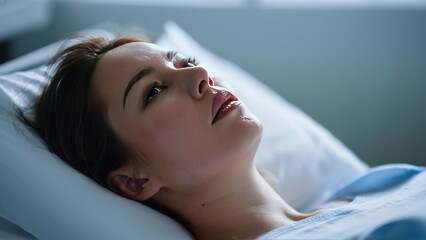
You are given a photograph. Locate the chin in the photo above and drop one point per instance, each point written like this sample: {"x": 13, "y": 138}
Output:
{"x": 250, "y": 130}
{"x": 250, "y": 119}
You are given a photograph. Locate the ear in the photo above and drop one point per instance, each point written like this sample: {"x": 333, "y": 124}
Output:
{"x": 138, "y": 188}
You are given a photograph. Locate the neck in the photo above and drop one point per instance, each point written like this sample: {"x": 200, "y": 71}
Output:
{"x": 246, "y": 208}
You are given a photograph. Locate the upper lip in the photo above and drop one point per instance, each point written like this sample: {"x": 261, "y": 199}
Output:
{"x": 221, "y": 97}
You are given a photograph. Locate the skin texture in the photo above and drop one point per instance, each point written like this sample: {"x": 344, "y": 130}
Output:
{"x": 201, "y": 171}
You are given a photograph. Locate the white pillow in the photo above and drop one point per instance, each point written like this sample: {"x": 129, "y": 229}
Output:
{"x": 52, "y": 201}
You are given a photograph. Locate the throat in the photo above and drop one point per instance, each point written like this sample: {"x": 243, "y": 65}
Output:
{"x": 246, "y": 224}
{"x": 248, "y": 211}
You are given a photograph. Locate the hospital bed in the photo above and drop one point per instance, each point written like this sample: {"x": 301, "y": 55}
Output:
{"x": 42, "y": 198}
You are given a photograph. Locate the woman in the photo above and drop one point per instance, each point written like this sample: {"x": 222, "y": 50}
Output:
{"x": 154, "y": 127}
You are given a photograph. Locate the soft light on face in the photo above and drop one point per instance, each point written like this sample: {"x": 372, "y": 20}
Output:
{"x": 166, "y": 116}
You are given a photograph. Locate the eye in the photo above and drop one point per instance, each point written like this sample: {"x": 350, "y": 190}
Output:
{"x": 152, "y": 93}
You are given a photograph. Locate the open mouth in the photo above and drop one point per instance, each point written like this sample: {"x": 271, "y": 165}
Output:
{"x": 223, "y": 103}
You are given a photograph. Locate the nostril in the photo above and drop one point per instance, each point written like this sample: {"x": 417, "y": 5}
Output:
{"x": 201, "y": 86}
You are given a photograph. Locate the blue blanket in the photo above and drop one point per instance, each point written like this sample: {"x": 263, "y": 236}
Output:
{"x": 388, "y": 202}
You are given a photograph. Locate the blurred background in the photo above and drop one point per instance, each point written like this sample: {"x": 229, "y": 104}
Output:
{"x": 358, "y": 67}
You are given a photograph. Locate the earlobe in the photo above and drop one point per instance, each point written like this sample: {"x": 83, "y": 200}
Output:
{"x": 149, "y": 189}
{"x": 139, "y": 189}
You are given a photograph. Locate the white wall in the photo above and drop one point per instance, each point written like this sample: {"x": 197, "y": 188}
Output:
{"x": 359, "y": 72}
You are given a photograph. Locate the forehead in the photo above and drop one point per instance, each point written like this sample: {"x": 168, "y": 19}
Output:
{"x": 127, "y": 59}
{"x": 133, "y": 51}
{"x": 119, "y": 65}
{"x": 120, "y": 62}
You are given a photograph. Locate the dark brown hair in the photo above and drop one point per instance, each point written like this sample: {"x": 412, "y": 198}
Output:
{"x": 71, "y": 119}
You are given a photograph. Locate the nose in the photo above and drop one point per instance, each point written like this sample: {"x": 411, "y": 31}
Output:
{"x": 195, "y": 80}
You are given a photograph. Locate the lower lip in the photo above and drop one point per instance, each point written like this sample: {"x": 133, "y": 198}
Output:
{"x": 223, "y": 112}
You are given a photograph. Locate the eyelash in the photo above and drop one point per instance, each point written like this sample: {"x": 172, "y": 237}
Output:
{"x": 150, "y": 96}
{"x": 190, "y": 60}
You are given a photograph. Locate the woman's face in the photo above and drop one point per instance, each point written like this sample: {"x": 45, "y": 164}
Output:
{"x": 181, "y": 129}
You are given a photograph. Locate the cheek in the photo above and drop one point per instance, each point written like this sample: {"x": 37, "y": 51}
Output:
{"x": 176, "y": 131}
{"x": 176, "y": 143}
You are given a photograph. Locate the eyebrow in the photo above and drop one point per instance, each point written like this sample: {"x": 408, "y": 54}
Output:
{"x": 142, "y": 73}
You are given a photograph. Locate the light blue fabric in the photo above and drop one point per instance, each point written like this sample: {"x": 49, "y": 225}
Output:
{"x": 412, "y": 229}
{"x": 388, "y": 203}
{"x": 377, "y": 179}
